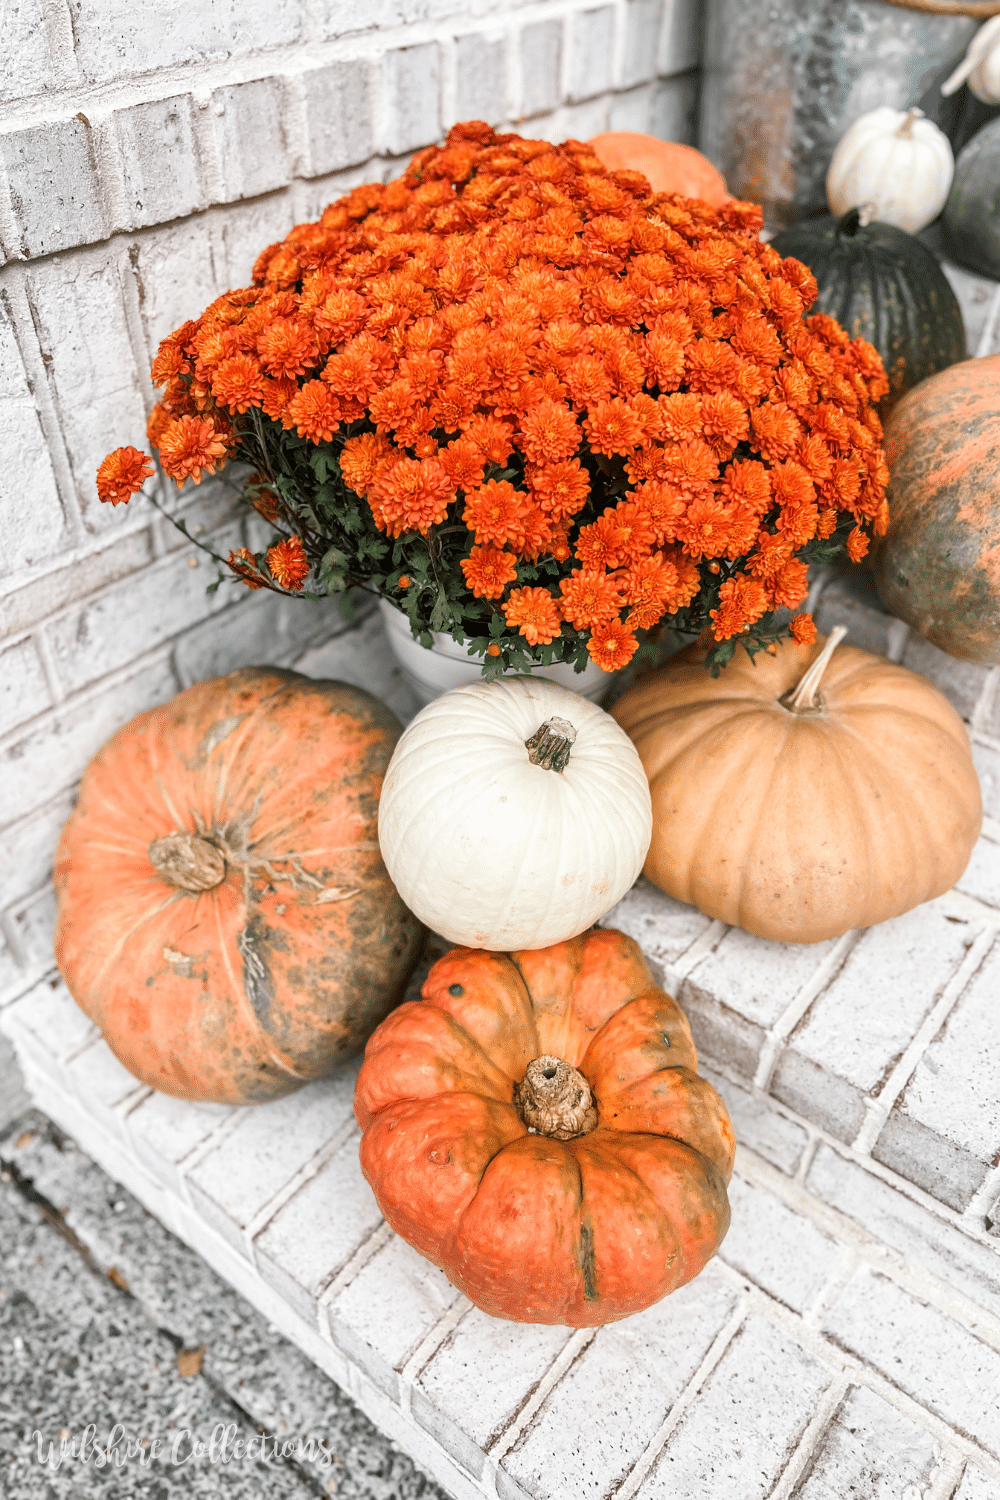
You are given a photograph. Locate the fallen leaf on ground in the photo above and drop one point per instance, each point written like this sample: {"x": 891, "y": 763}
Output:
{"x": 189, "y": 1360}
{"x": 23, "y": 1139}
{"x": 115, "y": 1276}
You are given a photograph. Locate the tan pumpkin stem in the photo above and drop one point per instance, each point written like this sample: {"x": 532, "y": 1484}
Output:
{"x": 188, "y": 861}
{"x": 554, "y": 1099}
{"x": 905, "y": 130}
{"x": 550, "y": 744}
{"x": 804, "y": 699}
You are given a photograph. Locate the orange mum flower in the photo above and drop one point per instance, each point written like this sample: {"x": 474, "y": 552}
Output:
{"x": 803, "y": 630}
{"x": 244, "y": 565}
{"x": 589, "y": 597}
{"x": 611, "y": 645}
{"x": 561, "y": 489}
{"x": 742, "y": 601}
{"x": 612, "y": 427}
{"x": 857, "y": 544}
{"x": 412, "y": 495}
{"x": 463, "y": 462}
{"x": 121, "y": 474}
{"x": 488, "y": 571}
{"x": 492, "y": 437}
{"x": 534, "y": 613}
{"x": 287, "y": 563}
{"x": 705, "y": 528}
{"x": 494, "y": 511}
{"x": 191, "y": 446}
{"x": 287, "y": 347}
{"x": 315, "y": 412}
{"x": 363, "y": 458}
{"x": 238, "y": 383}
{"x": 549, "y": 432}
{"x": 789, "y": 586}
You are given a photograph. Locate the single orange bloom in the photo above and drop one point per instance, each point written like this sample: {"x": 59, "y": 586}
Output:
{"x": 315, "y": 412}
{"x": 404, "y": 582}
{"x": 278, "y": 394}
{"x": 463, "y": 462}
{"x": 493, "y": 650}
{"x": 589, "y": 598}
{"x": 189, "y": 446}
{"x": 238, "y": 383}
{"x": 803, "y": 630}
{"x": 535, "y": 614}
{"x": 492, "y": 436}
{"x": 287, "y": 347}
{"x": 488, "y": 571}
{"x": 705, "y": 528}
{"x": 560, "y": 489}
{"x": 159, "y": 420}
{"x": 587, "y": 380}
{"x": 612, "y": 427}
{"x": 494, "y": 511}
{"x": 742, "y": 601}
{"x": 790, "y": 585}
{"x": 777, "y": 430}
{"x": 287, "y": 563}
{"x": 121, "y": 474}
{"x": 244, "y": 565}
{"x": 773, "y": 551}
{"x": 611, "y": 645}
{"x": 857, "y": 544}
{"x": 549, "y": 433}
{"x": 411, "y": 495}
{"x": 664, "y": 505}
{"x": 363, "y": 458}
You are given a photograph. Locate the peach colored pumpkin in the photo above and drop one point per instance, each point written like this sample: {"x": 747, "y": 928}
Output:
{"x": 798, "y": 808}
{"x": 224, "y": 913}
{"x": 669, "y": 166}
{"x": 618, "y": 1194}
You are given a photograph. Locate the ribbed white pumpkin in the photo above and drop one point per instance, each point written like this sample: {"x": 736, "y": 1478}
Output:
{"x": 895, "y": 163}
{"x": 493, "y": 851}
{"x": 981, "y": 65}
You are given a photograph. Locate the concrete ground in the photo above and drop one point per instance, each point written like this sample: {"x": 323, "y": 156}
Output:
{"x": 101, "y": 1312}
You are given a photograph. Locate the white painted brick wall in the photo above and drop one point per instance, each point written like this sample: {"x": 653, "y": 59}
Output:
{"x": 147, "y": 153}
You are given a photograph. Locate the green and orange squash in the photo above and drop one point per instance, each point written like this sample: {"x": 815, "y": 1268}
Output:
{"x": 224, "y": 913}
{"x": 938, "y": 565}
{"x": 535, "y": 1125}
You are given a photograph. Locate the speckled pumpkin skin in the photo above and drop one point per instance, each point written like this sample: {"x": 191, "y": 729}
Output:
{"x": 534, "y": 1229}
{"x": 938, "y": 566}
{"x": 247, "y": 991}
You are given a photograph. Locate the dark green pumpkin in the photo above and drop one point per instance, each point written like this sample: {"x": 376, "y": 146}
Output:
{"x": 883, "y": 285}
{"x": 972, "y": 212}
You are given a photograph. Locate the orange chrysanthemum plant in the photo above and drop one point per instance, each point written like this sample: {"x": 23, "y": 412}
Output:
{"x": 536, "y": 405}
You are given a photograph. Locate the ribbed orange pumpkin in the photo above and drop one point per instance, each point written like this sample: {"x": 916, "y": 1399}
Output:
{"x": 938, "y": 566}
{"x": 669, "y": 166}
{"x": 615, "y": 1198}
{"x": 798, "y": 797}
{"x": 224, "y": 913}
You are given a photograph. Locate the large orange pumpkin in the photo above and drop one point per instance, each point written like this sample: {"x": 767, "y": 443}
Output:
{"x": 938, "y": 566}
{"x": 536, "y": 1127}
{"x": 669, "y": 166}
{"x": 802, "y": 794}
{"x": 224, "y": 913}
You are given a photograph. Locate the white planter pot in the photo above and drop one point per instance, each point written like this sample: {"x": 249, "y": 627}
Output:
{"x": 447, "y": 664}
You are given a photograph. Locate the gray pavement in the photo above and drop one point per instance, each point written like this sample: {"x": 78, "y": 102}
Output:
{"x": 100, "y": 1308}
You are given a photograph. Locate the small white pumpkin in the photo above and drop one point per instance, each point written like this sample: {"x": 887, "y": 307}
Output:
{"x": 513, "y": 814}
{"x": 981, "y": 65}
{"x": 898, "y": 163}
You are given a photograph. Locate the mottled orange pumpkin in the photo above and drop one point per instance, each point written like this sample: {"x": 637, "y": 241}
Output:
{"x": 535, "y": 1125}
{"x": 224, "y": 913}
{"x": 669, "y": 166}
{"x": 938, "y": 566}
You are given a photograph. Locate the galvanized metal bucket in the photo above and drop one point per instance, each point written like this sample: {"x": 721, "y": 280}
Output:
{"x": 783, "y": 79}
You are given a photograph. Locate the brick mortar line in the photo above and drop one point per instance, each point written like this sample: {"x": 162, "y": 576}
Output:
{"x": 811, "y": 1438}
{"x": 790, "y": 1017}
{"x": 817, "y": 1136}
{"x": 847, "y": 1264}
{"x": 644, "y": 1463}
{"x": 285, "y": 60}
{"x": 427, "y": 1348}
{"x": 946, "y": 1477}
{"x": 352, "y": 1267}
{"x": 928, "y": 1287}
{"x": 842, "y": 1362}
{"x": 505, "y": 1441}
{"x": 260, "y": 1220}
{"x": 877, "y": 1110}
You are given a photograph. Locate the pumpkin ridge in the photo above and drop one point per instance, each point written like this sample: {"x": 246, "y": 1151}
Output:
{"x": 765, "y": 807}
{"x": 139, "y": 923}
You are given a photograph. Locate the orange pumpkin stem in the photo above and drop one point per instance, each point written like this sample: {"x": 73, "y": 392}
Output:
{"x": 805, "y": 698}
{"x": 550, "y": 744}
{"x": 188, "y": 861}
{"x": 554, "y": 1099}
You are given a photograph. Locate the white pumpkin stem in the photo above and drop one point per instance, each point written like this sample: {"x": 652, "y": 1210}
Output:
{"x": 803, "y": 699}
{"x": 553, "y": 1098}
{"x": 905, "y": 129}
{"x": 188, "y": 861}
{"x": 550, "y": 744}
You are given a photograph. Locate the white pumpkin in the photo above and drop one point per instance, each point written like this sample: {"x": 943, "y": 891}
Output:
{"x": 490, "y": 843}
{"x": 981, "y": 65}
{"x": 897, "y": 164}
